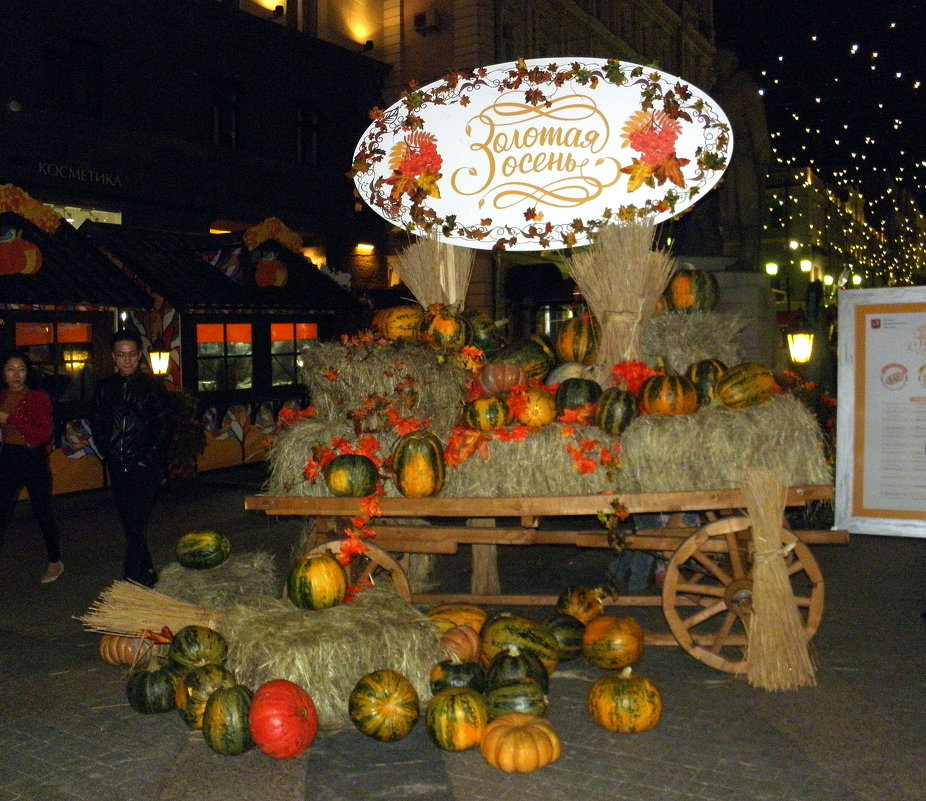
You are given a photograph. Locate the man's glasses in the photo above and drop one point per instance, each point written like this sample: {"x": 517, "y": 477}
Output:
{"x": 125, "y": 354}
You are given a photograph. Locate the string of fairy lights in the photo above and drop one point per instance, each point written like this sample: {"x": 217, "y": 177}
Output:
{"x": 848, "y": 185}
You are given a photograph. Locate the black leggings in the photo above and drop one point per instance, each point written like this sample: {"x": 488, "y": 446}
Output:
{"x": 28, "y": 467}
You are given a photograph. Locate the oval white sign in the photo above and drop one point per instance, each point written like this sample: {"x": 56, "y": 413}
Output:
{"x": 537, "y": 154}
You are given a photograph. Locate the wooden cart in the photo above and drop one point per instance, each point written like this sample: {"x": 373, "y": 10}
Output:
{"x": 707, "y": 592}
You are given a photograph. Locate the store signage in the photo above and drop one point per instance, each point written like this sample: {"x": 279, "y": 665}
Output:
{"x": 86, "y": 175}
{"x": 538, "y": 154}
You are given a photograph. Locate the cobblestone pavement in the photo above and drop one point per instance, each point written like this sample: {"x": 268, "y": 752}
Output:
{"x": 66, "y": 731}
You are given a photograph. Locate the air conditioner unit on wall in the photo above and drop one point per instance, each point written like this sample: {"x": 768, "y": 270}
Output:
{"x": 427, "y": 21}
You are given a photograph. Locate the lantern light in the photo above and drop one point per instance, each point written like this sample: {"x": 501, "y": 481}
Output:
{"x": 160, "y": 361}
{"x": 800, "y": 344}
{"x": 806, "y": 265}
{"x": 771, "y": 268}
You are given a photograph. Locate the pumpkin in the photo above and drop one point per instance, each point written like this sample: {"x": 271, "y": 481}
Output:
{"x": 497, "y": 379}
{"x": 456, "y": 718}
{"x": 705, "y": 374}
{"x": 691, "y": 289}
{"x": 577, "y": 339}
{"x": 443, "y": 328}
{"x": 616, "y": 410}
{"x": 745, "y": 385}
{"x": 460, "y": 614}
{"x": 19, "y": 256}
{"x": 530, "y": 354}
{"x": 398, "y": 322}
{"x": 418, "y": 464}
{"x": 270, "y": 272}
{"x": 201, "y": 550}
{"x": 462, "y": 641}
{"x": 517, "y": 695}
{"x": 485, "y": 333}
{"x": 351, "y": 475}
{"x": 567, "y": 631}
{"x": 668, "y": 395}
{"x": 536, "y": 409}
{"x": 283, "y": 719}
{"x": 316, "y": 581}
{"x": 610, "y": 642}
{"x": 624, "y": 702}
{"x": 152, "y": 691}
{"x": 485, "y": 414}
{"x": 568, "y": 370}
{"x": 513, "y": 663}
{"x": 225, "y": 720}
{"x": 583, "y": 603}
{"x": 194, "y": 689}
{"x": 115, "y": 649}
{"x": 383, "y": 705}
{"x": 506, "y": 631}
{"x": 576, "y": 392}
{"x": 456, "y": 672}
{"x": 518, "y": 743}
{"x": 194, "y": 646}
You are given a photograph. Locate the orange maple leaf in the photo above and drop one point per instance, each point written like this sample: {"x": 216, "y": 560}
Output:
{"x": 639, "y": 174}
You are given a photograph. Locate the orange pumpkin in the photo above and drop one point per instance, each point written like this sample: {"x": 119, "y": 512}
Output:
{"x": 270, "y": 272}
{"x": 583, "y": 603}
{"x": 537, "y": 408}
{"x": 398, "y": 322}
{"x": 610, "y": 642}
{"x": 117, "y": 650}
{"x": 519, "y": 743}
{"x": 462, "y": 641}
{"x": 459, "y": 614}
{"x": 625, "y": 703}
{"x": 19, "y": 256}
{"x": 498, "y": 378}
{"x": 668, "y": 395}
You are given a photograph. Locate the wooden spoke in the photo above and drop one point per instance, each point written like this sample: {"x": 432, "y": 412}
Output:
{"x": 707, "y": 594}
{"x": 373, "y": 565}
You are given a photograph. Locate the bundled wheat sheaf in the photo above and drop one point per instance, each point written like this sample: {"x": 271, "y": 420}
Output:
{"x": 436, "y": 272}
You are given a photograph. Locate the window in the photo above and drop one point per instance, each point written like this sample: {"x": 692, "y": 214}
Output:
{"x": 63, "y": 353}
{"x": 224, "y": 356}
{"x": 286, "y": 343}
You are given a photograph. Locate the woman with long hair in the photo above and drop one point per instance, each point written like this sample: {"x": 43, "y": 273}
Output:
{"x": 26, "y": 426}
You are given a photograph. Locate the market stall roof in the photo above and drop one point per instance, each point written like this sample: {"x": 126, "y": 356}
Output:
{"x": 73, "y": 272}
{"x": 201, "y": 272}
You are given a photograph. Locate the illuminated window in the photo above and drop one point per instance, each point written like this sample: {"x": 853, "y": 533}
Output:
{"x": 63, "y": 354}
{"x": 286, "y": 343}
{"x": 224, "y": 356}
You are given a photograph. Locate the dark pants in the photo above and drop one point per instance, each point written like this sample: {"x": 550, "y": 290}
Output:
{"x": 134, "y": 493}
{"x": 28, "y": 467}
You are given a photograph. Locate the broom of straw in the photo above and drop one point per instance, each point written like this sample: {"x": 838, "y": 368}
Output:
{"x": 436, "y": 272}
{"x": 621, "y": 278}
{"x": 777, "y": 656}
{"x": 130, "y": 609}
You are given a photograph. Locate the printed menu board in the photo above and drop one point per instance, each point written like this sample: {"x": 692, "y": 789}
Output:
{"x": 881, "y": 419}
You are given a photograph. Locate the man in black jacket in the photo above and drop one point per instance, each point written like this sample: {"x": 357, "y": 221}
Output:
{"x": 132, "y": 428}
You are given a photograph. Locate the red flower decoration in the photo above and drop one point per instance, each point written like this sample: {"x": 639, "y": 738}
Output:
{"x": 631, "y": 375}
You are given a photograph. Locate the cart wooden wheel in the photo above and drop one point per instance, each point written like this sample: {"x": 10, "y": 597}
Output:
{"x": 374, "y": 565}
{"x": 707, "y": 594}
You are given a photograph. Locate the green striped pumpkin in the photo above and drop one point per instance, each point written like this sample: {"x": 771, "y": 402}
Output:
{"x": 316, "y": 581}
{"x": 745, "y": 385}
{"x": 485, "y": 414}
{"x": 418, "y": 464}
{"x": 508, "y": 631}
{"x": 444, "y": 328}
{"x": 616, "y": 410}
{"x": 456, "y": 672}
{"x": 383, "y": 705}
{"x": 705, "y": 374}
{"x": 524, "y": 695}
{"x": 668, "y": 395}
{"x": 194, "y": 689}
{"x": 351, "y": 475}
{"x": 194, "y": 646}
{"x": 456, "y": 718}
{"x": 152, "y": 691}
{"x": 691, "y": 289}
{"x": 534, "y": 355}
{"x": 225, "y": 720}
{"x": 201, "y": 550}
{"x": 513, "y": 663}
{"x": 398, "y": 322}
{"x": 485, "y": 333}
{"x": 576, "y": 392}
{"x": 577, "y": 340}
{"x": 567, "y": 631}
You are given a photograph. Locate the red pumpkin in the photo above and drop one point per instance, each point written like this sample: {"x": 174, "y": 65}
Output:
{"x": 283, "y": 719}
{"x": 270, "y": 272}
{"x": 19, "y": 257}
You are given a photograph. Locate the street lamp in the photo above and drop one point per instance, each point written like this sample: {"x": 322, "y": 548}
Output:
{"x": 800, "y": 344}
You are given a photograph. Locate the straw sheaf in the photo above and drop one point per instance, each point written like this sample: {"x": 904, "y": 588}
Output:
{"x": 326, "y": 652}
{"x": 438, "y": 386}
{"x": 681, "y": 339}
{"x": 710, "y": 448}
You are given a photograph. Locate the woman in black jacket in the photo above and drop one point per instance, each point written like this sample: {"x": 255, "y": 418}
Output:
{"x": 132, "y": 428}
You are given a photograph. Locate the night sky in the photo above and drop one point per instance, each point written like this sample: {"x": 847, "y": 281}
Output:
{"x": 844, "y": 86}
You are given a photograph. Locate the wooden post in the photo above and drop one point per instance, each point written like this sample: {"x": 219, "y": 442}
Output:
{"x": 484, "y": 579}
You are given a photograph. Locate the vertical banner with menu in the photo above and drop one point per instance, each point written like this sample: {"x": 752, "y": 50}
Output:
{"x": 881, "y": 420}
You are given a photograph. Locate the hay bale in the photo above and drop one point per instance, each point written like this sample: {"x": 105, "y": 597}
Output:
{"x": 681, "y": 338}
{"x": 327, "y": 651}
{"x": 240, "y": 579}
{"x": 711, "y": 448}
